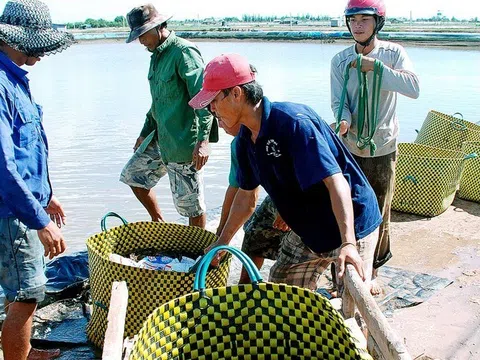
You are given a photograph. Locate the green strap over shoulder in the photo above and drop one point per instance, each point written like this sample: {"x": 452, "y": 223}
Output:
{"x": 367, "y": 120}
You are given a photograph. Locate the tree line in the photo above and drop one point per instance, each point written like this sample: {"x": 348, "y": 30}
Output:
{"x": 120, "y": 21}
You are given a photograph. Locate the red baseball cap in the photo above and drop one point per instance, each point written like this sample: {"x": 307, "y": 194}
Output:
{"x": 223, "y": 72}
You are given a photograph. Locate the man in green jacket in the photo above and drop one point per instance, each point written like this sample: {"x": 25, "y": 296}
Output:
{"x": 174, "y": 139}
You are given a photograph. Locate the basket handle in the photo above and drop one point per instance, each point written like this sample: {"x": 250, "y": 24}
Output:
{"x": 458, "y": 125}
{"x": 204, "y": 263}
{"x": 103, "y": 222}
{"x": 411, "y": 178}
{"x": 457, "y": 113}
{"x": 470, "y": 156}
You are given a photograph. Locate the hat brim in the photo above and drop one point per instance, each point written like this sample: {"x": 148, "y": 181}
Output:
{"x": 203, "y": 98}
{"x": 35, "y": 41}
{"x": 135, "y": 34}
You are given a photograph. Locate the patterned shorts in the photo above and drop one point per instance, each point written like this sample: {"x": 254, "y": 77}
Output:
{"x": 22, "y": 264}
{"x": 261, "y": 238}
{"x": 146, "y": 168}
{"x": 300, "y": 266}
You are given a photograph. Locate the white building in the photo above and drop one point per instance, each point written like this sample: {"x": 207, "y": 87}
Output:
{"x": 60, "y": 27}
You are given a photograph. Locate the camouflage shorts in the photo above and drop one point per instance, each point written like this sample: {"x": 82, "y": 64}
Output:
{"x": 146, "y": 168}
{"x": 261, "y": 239}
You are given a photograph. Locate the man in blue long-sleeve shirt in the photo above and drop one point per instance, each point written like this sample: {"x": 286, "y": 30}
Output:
{"x": 30, "y": 216}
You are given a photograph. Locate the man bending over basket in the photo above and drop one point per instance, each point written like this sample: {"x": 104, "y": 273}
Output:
{"x": 317, "y": 187}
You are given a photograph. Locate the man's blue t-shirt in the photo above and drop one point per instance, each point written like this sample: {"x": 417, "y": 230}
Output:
{"x": 293, "y": 153}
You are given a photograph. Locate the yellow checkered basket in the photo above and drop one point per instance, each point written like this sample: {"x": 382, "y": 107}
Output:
{"x": 426, "y": 178}
{"x": 447, "y": 131}
{"x": 470, "y": 181}
{"x": 260, "y": 320}
{"x": 147, "y": 289}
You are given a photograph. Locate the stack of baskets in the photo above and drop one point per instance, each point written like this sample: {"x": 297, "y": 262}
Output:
{"x": 147, "y": 289}
{"x": 431, "y": 170}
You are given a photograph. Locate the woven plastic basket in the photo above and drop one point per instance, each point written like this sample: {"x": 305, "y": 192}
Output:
{"x": 447, "y": 131}
{"x": 147, "y": 289}
{"x": 426, "y": 178}
{"x": 470, "y": 181}
{"x": 252, "y": 321}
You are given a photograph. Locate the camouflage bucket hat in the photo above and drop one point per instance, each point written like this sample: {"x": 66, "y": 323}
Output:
{"x": 26, "y": 26}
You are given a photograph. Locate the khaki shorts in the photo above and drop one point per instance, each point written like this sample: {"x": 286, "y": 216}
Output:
{"x": 298, "y": 265}
{"x": 146, "y": 168}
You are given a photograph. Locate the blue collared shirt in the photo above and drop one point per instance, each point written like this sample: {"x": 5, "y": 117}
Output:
{"x": 294, "y": 152}
{"x": 25, "y": 188}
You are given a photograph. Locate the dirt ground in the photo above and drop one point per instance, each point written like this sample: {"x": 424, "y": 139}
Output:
{"x": 446, "y": 326}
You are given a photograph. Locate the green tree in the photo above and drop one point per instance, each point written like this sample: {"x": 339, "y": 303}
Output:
{"x": 120, "y": 19}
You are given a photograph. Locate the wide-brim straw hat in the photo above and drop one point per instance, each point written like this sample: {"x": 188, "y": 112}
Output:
{"x": 26, "y": 26}
{"x": 142, "y": 19}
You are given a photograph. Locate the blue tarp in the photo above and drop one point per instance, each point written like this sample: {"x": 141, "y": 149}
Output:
{"x": 66, "y": 272}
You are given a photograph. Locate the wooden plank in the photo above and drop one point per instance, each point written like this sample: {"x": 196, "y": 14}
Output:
{"x": 387, "y": 340}
{"x": 113, "y": 345}
{"x": 348, "y": 303}
{"x": 373, "y": 349}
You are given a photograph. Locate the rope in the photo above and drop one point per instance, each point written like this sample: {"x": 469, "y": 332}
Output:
{"x": 367, "y": 115}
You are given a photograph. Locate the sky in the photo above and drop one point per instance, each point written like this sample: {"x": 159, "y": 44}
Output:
{"x": 79, "y": 10}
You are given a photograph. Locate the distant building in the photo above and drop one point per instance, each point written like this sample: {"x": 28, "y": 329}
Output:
{"x": 336, "y": 22}
{"x": 289, "y": 21}
{"x": 60, "y": 27}
{"x": 209, "y": 21}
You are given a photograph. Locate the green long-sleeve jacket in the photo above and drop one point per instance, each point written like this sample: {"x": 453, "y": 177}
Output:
{"x": 175, "y": 76}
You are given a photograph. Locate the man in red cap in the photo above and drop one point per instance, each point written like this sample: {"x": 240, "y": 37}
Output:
{"x": 175, "y": 138}
{"x": 364, "y": 103}
{"x": 317, "y": 187}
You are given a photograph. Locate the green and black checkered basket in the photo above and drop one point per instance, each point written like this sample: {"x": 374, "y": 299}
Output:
{"x": 426, "y": 178}
{"x": 447, "y": 131}
{"x": 470, "y": 181}
{"x": 260, "y": 320}
{"x": 147, "y": 289}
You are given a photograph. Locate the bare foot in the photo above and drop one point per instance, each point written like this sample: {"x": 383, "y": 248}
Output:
{"x": 38, "y": 354}
{"x": 375, "y": 288}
